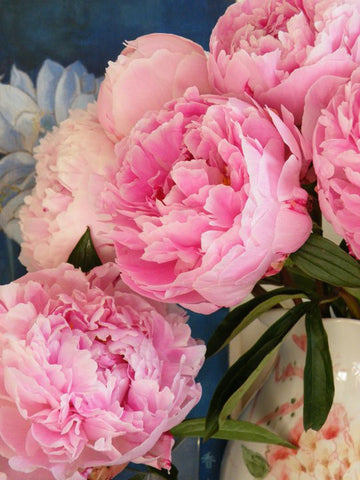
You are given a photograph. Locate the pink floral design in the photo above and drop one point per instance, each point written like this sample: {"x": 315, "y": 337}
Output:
{"x": 336, "y": 157}
{"x": 70, "y": 170}
{"x": 91, "y": 374}
{"x": 275, "y": 50}
{"x": 202, "y": 200}
{"x": 150, "y": 71}
{"x": 332, "y": 453}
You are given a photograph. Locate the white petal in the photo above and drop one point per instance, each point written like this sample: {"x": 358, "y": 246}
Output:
{"x": 46, "y": 83}
{"x": 67, "y": 89}
{"x": 29, "y": 126}
{"x": 17, "y": 172}
{"x": 20, "y": 79}
{"x": 98, "y": 83}
{"x": 88, "y": 83}
{"x": 82, "y": 100}
{"x": 77, "y": 68}
{"x": 20, "y": 116}
{"x": 10, "y": 140}
{"x": 13, "y": 231}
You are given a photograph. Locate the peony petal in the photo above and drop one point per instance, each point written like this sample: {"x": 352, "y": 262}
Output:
{"x": 89, "y": 381}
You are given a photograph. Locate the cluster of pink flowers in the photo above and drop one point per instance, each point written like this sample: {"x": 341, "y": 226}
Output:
{"x": 197, "y": 196}
{"x": 330, "y": 454}
{"x": 204, "y": 155}
{"x": 188, "y": 171}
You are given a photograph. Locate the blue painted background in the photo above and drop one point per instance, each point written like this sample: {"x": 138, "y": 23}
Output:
{"x": 93, "y": 32}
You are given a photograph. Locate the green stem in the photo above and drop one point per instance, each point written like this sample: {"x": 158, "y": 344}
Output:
{"x": 258, "y": 290}
{"x": 324, "y": 306}
{"x": 351, "y": 302}
{"x": 329, "y": 300}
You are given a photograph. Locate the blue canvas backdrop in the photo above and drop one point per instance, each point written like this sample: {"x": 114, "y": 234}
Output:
{"x": 93, "y": 31}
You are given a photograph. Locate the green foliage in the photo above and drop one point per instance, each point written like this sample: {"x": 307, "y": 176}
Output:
{"x": 243, "y": 373}
{"x": 172, "y": 475}
{"x": 323, "y": 260}
{"x": 241, "y": 316}
{"x": 255, "y": 463}
{"x": 318, "y": 373}
{"x": 231, "y": 430}
{"x": 84, "y": 255}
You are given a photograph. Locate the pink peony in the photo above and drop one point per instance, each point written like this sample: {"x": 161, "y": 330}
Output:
{"x": 275, "y": 50}
{"x": 150, "y": 71}
{"x": 71, "y": 164}
{"x": 91, "y": 374}
{"x": 206, "y": 201}
{"x": 337, "y": 158}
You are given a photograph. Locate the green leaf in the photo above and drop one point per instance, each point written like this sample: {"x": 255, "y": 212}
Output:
{"x": 324, "y": 260}
{"x": 172, "y": 475}
{"x": 239, "y": 318}
{"x": 297, "y": 277}
{"x": 256, "y": 464}
{"x": 355, "y": 292}
{"x": 84, "y": 255}
{"x": 231, "y": 430}
{"x": 318, "y": 373}
{"x": 243, "y": 373}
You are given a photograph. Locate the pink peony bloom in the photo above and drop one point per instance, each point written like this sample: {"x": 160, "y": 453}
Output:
{"x": 71, "y": 164}
{"x": 91, "y": 374}
{"x": 275, "y": 50}
{"x": 150, "y": 71}
{"x": 337, "y": 159}
{"x": 206, "y": 201}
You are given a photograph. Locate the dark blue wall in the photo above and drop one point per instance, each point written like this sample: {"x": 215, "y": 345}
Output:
{"x": 93, "y": 30}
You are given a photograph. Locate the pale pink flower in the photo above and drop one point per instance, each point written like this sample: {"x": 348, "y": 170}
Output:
{"x": 206, "y": 200}
{"x": 332, "y": 453}
{"x": 71, "y": 164}
{"x": 275, "y": 50}
{"x": 337, "y": 157}
{"x": 91, "y": 374}
{"x": 150, "y": 71}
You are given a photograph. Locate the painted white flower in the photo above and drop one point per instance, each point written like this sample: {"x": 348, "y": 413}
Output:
{"x": 27, "y": 111}
{"x": 332, "y": 453}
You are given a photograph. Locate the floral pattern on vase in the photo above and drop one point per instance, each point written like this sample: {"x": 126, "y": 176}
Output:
{"x": 332, "y": 453}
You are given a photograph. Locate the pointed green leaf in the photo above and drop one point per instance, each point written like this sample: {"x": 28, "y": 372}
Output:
{"x": 231, "y": 430}
{"x": 324, "y": 260}
{"x": 234, "y": 399}
{"x": 355, "y": 292}
{"x": 84, "y": 255}
{"x": 239, "y": 318}
{"x": 242, "y": 374}
{"x": 172, "y": 475}
{"x": 256, "y": 464}
{"x": 318, "y": 373}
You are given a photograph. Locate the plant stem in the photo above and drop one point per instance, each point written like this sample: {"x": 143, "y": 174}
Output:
{"x": 351, "y": 302}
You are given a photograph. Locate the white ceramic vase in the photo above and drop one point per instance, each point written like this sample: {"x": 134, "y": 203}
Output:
{"x": 335, "y": 450}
